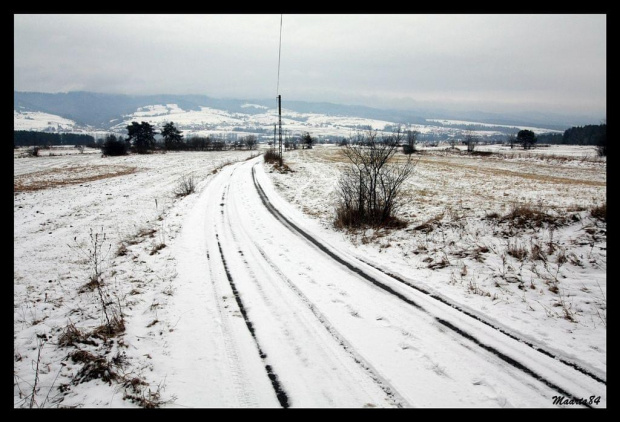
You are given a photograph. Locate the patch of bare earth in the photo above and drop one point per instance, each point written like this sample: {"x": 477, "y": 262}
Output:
{"x": 67, "y": 176}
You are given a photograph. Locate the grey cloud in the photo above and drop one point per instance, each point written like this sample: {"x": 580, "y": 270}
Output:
{"x": 554, "y": 62}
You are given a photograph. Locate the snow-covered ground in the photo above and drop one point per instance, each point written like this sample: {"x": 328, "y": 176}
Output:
{"x": 465, "y": 122}
{"x": 453, "y": 247}
{"x": 207, "y": 121}
{"x": 131, "y": 201}
{"x": 39, "y": 121}
{"x": 211, "y": 121}
{"x": 225, "y": 304}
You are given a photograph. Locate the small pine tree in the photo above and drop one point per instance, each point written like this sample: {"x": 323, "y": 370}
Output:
{"x": 173, "y": 140}
{"x": 142, "y": 136}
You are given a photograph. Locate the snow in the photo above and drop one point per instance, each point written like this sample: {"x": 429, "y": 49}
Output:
{"x": 210, "y": 121}
{"x": 39, "y": 121}
{"x": 464, "y": 122}
{"x": 254, "y": 106}
{"x": 461, "y": 191}
{"x": 237, "y": 303}
{"x": 157, "y": 110}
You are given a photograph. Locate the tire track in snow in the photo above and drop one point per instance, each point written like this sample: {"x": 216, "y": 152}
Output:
{"x": 484, "y": 321}
{"x": 321, "y": 247}
{"x": 507, "y": 359}
{"x": 394, "y": 397}
{"x": 294, "y": 228}
{"x": 231, "y": 364}
{"x": 389, "y": 390}
{"x": 280, "y": 393}
{"x": 237, "y": 374}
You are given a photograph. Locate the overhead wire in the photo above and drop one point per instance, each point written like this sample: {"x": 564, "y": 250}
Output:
{"x": 279, "y": 55}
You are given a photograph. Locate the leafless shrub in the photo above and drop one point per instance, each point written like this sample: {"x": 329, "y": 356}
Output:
{"x": 272, "y": 157}
{"x": 369, "y": 190}
{"x": 96, "y": 254}
{"x": 185, "y": 186}
{"x": 411, "y": 140}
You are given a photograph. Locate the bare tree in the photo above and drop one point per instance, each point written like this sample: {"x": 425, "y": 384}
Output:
{"x": 250, "y": 141}
{"x": 511, "y": 140}
{"x": 369, "y": 189}
{"x": 411, "y": 140}
{"x": 471, "y": 140}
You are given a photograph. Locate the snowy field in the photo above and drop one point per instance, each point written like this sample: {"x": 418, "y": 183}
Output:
{"x": 207, "y": 121}
{"x": 553, "y": 290}
{"x": 58, "y": 200}
{"x": 203, "y": 281}
{"x": 36, "y": 120}
{"x": 464, "y": 122}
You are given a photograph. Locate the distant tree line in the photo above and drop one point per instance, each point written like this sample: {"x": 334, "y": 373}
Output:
{"x": 305, "y": 141}
{"x": 477, "y": 127}
{"x": 550, "y": 138}
{"x": 22, "y": 138}
{"x": 577, "y": 135}
{"x": 585, "y": 135}
{"x": 141, "y": 140}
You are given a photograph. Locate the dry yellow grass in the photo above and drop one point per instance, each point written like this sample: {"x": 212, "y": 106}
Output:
{"x": 514, "y": 173}
{"x": 447, "y": 161}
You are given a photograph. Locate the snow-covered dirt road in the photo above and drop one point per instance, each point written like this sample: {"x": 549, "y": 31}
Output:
{"x": 288, "y": 318}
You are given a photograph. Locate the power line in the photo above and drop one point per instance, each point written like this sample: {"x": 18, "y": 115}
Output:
{"x": 279, "y": 54}
{"x": 278, "y": 96}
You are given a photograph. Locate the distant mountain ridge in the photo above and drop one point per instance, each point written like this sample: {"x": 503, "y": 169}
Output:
{"x": 98, "y": 110}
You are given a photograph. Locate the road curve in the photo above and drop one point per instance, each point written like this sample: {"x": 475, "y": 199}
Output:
{"x": 297, "y": 323}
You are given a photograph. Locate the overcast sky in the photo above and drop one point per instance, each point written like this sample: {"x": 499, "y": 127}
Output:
{"x": 477, "y": 62}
